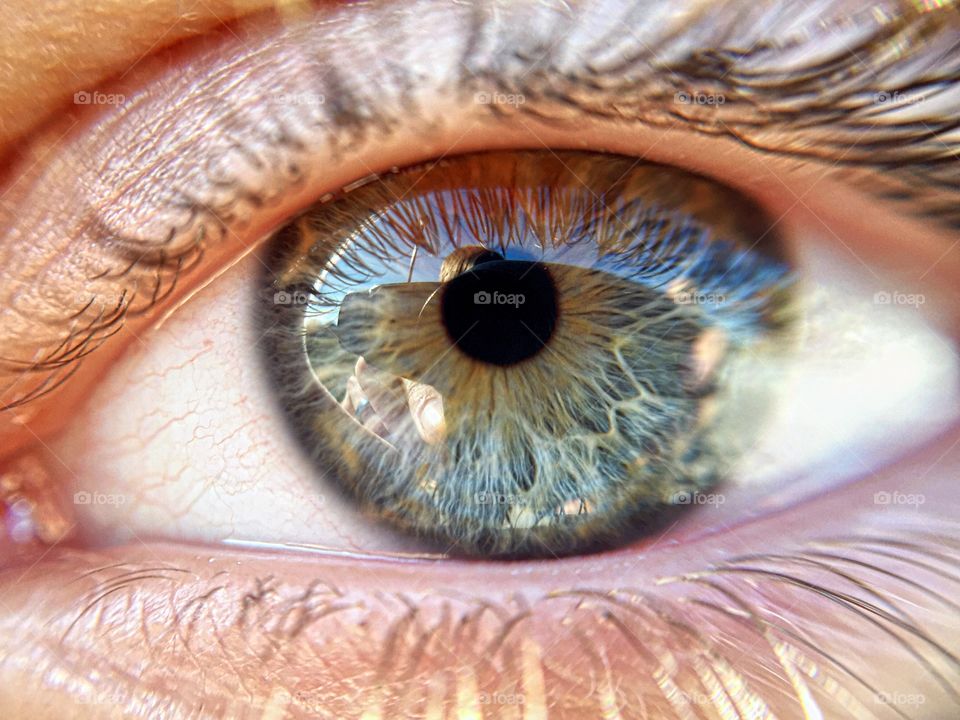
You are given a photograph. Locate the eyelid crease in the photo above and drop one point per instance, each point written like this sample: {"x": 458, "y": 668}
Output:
{"x": 260, "y": 158}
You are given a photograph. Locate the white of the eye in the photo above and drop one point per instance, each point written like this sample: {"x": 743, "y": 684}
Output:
{"x": 871, "y": 379}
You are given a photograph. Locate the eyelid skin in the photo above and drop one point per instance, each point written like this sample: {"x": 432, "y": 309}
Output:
{"x": 199, "y": 164}
{"x": 33, "y": 91}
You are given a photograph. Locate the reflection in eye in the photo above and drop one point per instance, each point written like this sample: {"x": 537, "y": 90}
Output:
{"x": 533, "y": 350}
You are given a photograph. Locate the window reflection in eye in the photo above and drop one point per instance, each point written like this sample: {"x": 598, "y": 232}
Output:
{"x": 172, "y": 520}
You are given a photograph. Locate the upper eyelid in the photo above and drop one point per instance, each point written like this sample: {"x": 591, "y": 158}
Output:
{"x": 355, "y": 109}
{"x": 487, "y": 42}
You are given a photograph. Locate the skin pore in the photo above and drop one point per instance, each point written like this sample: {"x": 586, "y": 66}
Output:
{"x": 831, "y": 607}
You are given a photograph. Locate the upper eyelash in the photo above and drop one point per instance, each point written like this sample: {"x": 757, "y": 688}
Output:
{"x": 353, "y": 110}
{"x": 95, "y": 323}
{"x": 824, "y": 111}
{"x": 611, "y": 96}
{"x": 927, "y": 185}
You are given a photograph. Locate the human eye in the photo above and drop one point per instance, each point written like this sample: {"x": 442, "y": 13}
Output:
{"x": 171, "y": 520}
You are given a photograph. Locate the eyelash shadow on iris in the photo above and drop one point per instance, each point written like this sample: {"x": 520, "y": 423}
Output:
{"x": 525, "y": 354}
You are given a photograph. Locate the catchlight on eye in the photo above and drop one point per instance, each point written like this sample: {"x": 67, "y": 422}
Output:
{"x": 526, "y": 353}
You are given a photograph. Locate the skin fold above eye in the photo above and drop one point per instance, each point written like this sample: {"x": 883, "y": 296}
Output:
{"x": 840, "y": 607}
{"x": 33, "y": 90}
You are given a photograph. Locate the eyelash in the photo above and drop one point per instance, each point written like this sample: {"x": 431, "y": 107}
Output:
{"x": 674, "y": 246}
{"x": 922, "y": 176}
{"x": 676, "y": 639}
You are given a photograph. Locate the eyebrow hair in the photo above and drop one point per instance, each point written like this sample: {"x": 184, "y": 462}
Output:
{"x": 782, "y": 93}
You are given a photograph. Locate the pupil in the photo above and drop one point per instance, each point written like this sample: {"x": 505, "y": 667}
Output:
{"x": 501, "y": 312}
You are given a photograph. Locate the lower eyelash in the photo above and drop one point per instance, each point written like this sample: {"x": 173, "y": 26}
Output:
{"x": 759, "y": 636}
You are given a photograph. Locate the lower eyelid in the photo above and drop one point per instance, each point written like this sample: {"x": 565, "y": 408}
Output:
{"x": 671, "y": 593}
{"x": 756, "y": 632}
{"x": 611, "y": 624}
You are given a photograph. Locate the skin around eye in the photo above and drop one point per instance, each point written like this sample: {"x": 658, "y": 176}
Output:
{"x": 843, "y": 610}
{"x": 33, "y": 91}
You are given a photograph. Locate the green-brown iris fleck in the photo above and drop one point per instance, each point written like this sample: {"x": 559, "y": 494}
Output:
{"x": 526, "y": 353}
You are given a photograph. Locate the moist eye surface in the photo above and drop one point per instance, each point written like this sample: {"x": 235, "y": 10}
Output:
{"x": 526, "y": 353}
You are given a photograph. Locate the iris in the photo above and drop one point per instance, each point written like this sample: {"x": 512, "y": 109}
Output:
{"x": 523, "y": 353}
